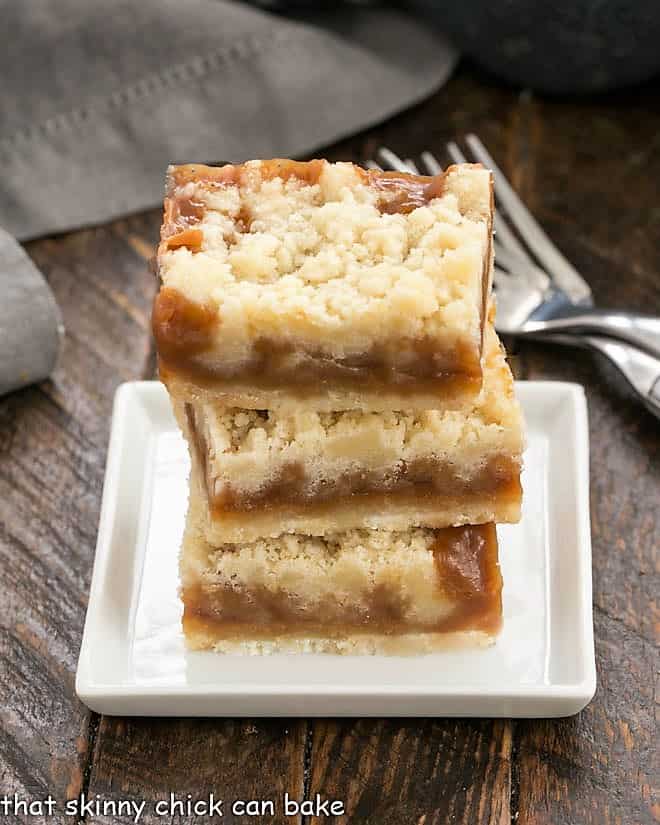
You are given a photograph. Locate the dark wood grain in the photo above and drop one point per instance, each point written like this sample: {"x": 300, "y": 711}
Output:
{"x": 147, "y": 759}
{"x": 603, "y": 765}
{"x": 52, "y": 454}
{"x": 589, "y": 170}
{"x": 419, "y": 771}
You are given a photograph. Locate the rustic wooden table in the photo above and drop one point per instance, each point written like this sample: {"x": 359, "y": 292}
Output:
{"x": 589, "y": 170}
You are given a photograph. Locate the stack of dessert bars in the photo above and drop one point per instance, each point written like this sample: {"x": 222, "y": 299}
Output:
{"x": 326, "y": 337}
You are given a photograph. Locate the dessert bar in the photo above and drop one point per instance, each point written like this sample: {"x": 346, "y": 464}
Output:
{"x": 320, "y": 282}
{"x": 360, "y": 591}
{"x": 326, "y": 336}
{"x": 265, "y": 472}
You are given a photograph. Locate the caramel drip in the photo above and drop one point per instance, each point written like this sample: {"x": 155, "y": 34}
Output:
{"x": 405, "y": 192}
{"x": 234, "y": 174}
{"x": 226, "y": 175}
{"x": 192, "y": 238}
{"x": 469, "y": 573}
{"x": 182, "y": 328}
{"x": 181, "y": 215}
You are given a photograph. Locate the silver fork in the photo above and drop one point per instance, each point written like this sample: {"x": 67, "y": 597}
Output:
{"x": 565, "y": 303}
{"x": 524, "y": 289}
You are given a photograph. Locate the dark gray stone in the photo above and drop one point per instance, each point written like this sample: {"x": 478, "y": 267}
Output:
{"x": 556, "y": 46}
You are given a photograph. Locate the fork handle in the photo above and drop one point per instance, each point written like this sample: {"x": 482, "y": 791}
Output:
{"x": 640, "y": 369}
{"x": 641, "y": 330}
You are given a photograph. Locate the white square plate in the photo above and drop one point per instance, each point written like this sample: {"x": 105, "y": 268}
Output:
{"x": 133, "y": 660}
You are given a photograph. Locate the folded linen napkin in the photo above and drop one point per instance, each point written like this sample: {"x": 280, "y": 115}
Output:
{"x": 98, "y": 98}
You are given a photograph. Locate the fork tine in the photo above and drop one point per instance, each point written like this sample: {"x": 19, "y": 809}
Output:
{"x": 516, "y": 299}
{"x": 454, "y": 152}
{"x": 502, "y": 229}
{"x": 411, "y": 166}
{"x": 389, "y": 158}
{"x": 562, "y": 271}
{"x": 505, "y": 234}
{"x": 523, "y": 267}
{"x": 371, "y": 164}
{"x": 508, "y": 239}
{"x": 499, "y": 275}
{"x": 431, "y": 164}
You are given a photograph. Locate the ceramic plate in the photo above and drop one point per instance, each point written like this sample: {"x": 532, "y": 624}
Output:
{"x": 133, "y": 660}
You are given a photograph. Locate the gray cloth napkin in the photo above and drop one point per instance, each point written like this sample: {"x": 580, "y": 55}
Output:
{"x": 97, "y": 98}
{"x": 30, "y": 324}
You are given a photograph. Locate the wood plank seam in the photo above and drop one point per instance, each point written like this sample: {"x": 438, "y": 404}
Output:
{"x": 307, "y": 765}
{"x": 514, "y": 774}
{"x": 92, "y": 736}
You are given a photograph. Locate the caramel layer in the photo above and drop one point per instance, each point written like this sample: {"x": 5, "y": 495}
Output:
{"x": 423, "y": 479}
{"x": 184, "y": 333}
{"x": 310, "y": 382}
{"x": 468, "y": 574}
